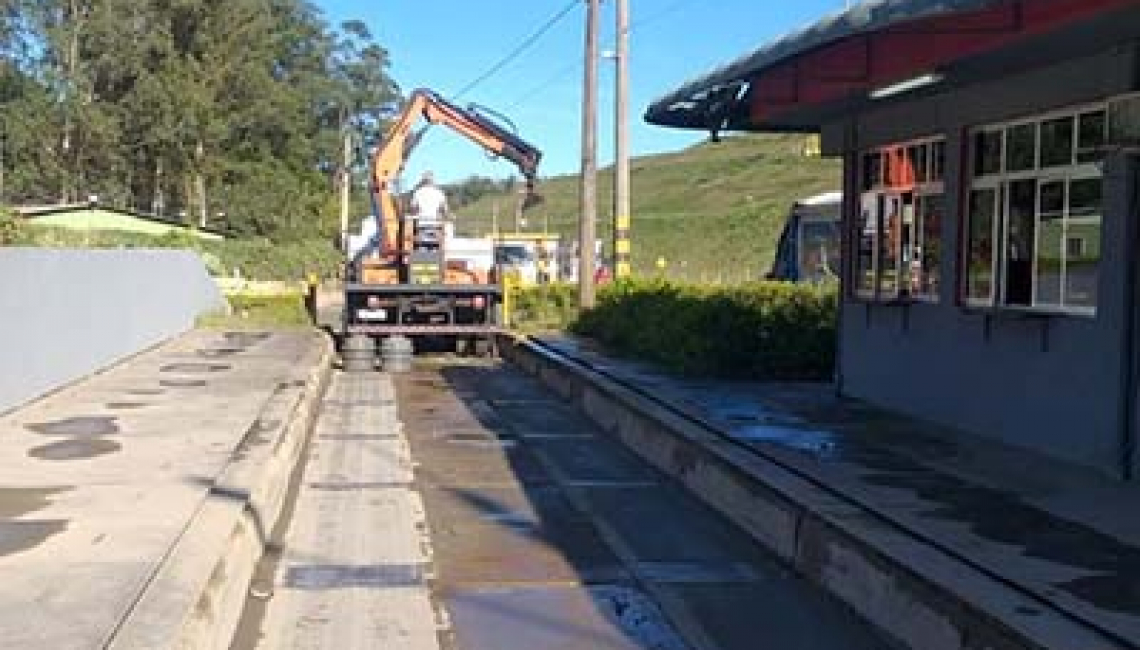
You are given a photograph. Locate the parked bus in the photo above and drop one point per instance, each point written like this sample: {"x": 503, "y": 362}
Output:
{"x": 809, "y": 245}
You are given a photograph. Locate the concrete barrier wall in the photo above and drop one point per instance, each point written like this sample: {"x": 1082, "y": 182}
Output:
{"x": 65, "y": 314}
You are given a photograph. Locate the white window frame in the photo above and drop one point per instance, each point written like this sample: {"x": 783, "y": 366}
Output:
{"x": 1000, "y": 182}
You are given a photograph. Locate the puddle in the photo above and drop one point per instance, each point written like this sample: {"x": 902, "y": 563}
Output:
{"x": 637, "y": 616}
{"x": 15, "y": 502}
{"x": 184, "y": 383}
{"x": 817, "y": 443}
{"x": 77, "y": 426}
{"x": 75, "y": 449}
{"x": 125, "y": 406}
{"x": 19, "y": 536}
{"x": 195, "y": 368}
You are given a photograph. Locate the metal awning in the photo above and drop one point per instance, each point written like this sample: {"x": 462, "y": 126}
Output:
{"x": 844, "y": 55}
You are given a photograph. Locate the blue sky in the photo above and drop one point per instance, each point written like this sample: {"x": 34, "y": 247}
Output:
{"x": 446, "y": 44}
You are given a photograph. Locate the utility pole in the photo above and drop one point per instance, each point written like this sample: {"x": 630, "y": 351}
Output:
{"x": 3, "y": 159}
{"x": 345, "y": 188}
{"x": 622, "y": 215}
{"x": 588, "y": 206}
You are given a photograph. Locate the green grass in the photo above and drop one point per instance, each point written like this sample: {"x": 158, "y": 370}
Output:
{"x": 284, "y": 310}
{"x": 714, "y": 211}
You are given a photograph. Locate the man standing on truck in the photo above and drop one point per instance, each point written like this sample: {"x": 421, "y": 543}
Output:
{"x": 430, "y": 212}
{"x": 429, "y": 203}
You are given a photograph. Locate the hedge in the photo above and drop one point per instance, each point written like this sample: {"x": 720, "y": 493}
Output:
{"x": 769, "y": 330}
{"x": 544, "y": 307}
{"x": 253, "y": 258}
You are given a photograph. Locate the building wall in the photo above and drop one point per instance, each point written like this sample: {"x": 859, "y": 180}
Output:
{"x": 1050, "y": 383}
{"x": 69, "y": 313}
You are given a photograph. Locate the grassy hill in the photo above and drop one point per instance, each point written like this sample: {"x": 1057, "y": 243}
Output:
{"x": 713, "y": 211}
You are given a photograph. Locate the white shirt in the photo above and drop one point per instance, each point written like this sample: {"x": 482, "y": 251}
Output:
{"x": 429, "y": 202}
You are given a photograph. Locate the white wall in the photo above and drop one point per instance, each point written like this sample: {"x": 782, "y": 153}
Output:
{"x": 67, "y": 313}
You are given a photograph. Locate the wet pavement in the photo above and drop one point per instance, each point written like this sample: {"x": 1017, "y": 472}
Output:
{"x": 99, "y": 480}
{"x": 547, "y": 534}
{"x": 1065, "y": 535}
{"x": 349, "y": 567}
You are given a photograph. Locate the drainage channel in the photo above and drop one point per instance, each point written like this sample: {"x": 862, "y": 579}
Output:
{"x": 462, "y": 506}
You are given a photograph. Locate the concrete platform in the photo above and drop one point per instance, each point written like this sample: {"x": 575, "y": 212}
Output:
{"x": 546, "y": 534}
{"x": 354, "y": 560}
{"x": 134, "y": 503}
{"x": 942, "y": 540}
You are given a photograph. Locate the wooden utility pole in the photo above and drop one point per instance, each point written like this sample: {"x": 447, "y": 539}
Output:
{"x": 622, "y": 215}
{"x": 345, "y": 188}
{"x": 588, "y": 206}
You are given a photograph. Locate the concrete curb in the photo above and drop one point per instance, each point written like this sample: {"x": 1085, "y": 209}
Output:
{"x": 920, "y": 596}
{"x": 195, "y": 598}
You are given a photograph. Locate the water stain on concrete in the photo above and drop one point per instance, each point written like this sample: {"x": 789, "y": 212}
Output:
{"x": 821, "y": 444}
{"x": 15, "y": 502}
{"x": 75, "y": 449}
{"x": 183, "y": 383}
{"x": 245, "y": 339}
{"x": 1005, "y": 518}
{"x": 195, "y": 368}
{"x": 19, "y": 536}
{"x": 77, "y": 426}
{"x": 219, "y": 353}
{"x": 126, "y": 406}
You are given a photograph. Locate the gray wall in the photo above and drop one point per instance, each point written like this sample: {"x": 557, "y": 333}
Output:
{"x": 66, "y": 314}
{"x": 1053, "y": 384}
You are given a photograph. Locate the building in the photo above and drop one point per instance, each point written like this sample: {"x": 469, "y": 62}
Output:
{"x": 90, "y": 218}
{"x": 990, "y": 260}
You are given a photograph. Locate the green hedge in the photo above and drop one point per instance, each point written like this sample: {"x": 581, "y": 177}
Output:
{"x": 254, "y": 258}
{"x": 544, "y": 307}
{"x": 767, "y": 330}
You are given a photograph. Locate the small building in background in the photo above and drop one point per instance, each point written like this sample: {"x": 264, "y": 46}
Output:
{"x": 990, "y": 216}
{"x": 86, "y": 217}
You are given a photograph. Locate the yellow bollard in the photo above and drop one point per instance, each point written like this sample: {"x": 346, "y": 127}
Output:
{"x": 512, "y": 280}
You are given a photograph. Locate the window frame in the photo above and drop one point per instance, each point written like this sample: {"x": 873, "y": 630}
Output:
{"x": 1081, "y": 167}
{"x": 930, "y": 182}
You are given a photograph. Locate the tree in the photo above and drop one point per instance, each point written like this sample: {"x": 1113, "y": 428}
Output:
{"x": 227, "y": 112}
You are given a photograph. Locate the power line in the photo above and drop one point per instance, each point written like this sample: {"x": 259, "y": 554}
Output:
{"x": 562, "y": 74}
{"x": 652, "y": 18}
{"x": 576, "y": 66}
{"x": 522, "y": 47}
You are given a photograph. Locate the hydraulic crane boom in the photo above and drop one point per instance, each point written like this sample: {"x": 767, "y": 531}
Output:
{"x": 401, "y": 139}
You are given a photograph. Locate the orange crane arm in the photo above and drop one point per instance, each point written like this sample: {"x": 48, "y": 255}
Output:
{"x": 390, "y": 157}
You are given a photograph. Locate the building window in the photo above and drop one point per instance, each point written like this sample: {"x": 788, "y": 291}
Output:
{"x": 1033, "y": 225}
{"x": 898, "y": 238}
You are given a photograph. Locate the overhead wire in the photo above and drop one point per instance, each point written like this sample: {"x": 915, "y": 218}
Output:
{"x": 577, "y": 65}
{"x": 519, "y": 49}
{"x": 652, "y": 18}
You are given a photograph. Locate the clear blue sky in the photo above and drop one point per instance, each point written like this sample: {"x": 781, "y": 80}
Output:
{"x": 446, "y": 44}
